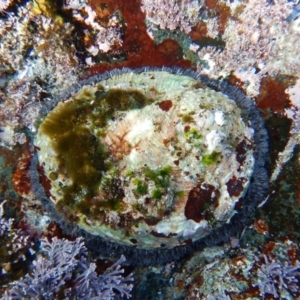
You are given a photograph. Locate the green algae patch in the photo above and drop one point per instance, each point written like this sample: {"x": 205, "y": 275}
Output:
{"x": 156, "y": 194}
{"x": 193, "y": 134}
{"x": 160, "y": 177}
{"x": 144, "y": 159}
{"x": 210, "y": 159}
{"x": 141, "y": 187}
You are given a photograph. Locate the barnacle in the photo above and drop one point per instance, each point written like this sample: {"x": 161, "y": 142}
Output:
{"x": 153, "y": 160}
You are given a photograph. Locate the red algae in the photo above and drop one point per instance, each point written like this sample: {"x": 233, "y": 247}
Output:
{"x": 199, "y": 31}
{"x": 139, "y": 47}
{"x": 211, "y": 4}
{"x": 198, "y": 199}
{"x": 223, "y": 11}
{"x": 268, "y": 248}
{"x": 53, "y": 230}
{"x": 165, "y": 105}
{"x": 273, "y": 93}
{"x": 235, "y": 186}
{"x": 170, "y": 48}
{"x": 10, "y": 157}
{"x": 261, "y": 226}
{"x": 232, "y": 79}
{"x": 292, "y": 254}
{"x": 104, "y": 8}
{"x": 21, "y": 177}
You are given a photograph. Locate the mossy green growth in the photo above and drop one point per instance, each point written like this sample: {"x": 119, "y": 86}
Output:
{"x": 187, "y": 118}
{"x": 160, "y": 177}
{"x": 104, "y": 104}
{"x": 81, "y": 155}
{"x": 193, "y": 134}
{"x": 108, "y": 180}
{"x": 141, "y": 187}
{"x": 129, "y": 174}
{"x": 112, "y": 204}
{"x": 156, "y": 194}
{"x": 210, "y": 159}
{"x": 165, "y": 171}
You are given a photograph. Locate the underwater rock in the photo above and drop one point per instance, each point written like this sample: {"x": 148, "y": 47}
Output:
{"x": 153, "y": 159}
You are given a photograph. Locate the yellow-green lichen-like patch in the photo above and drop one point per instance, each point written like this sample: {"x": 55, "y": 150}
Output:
{"x": 146, "y": 157}
{"x": 209, "y": 159}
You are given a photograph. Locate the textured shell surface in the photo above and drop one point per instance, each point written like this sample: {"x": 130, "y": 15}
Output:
{"x": 149, "y": 159}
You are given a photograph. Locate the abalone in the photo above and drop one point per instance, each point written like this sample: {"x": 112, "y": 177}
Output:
{"x": 153, "y": 159}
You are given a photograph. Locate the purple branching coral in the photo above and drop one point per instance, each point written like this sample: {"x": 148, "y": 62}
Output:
{"x": 275, "y": 277}
{"x": 170, "y": 14}
{"x": 65, "y": 265}
{"x": 16, "y": 243}
{"x": 5, "y": 225}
